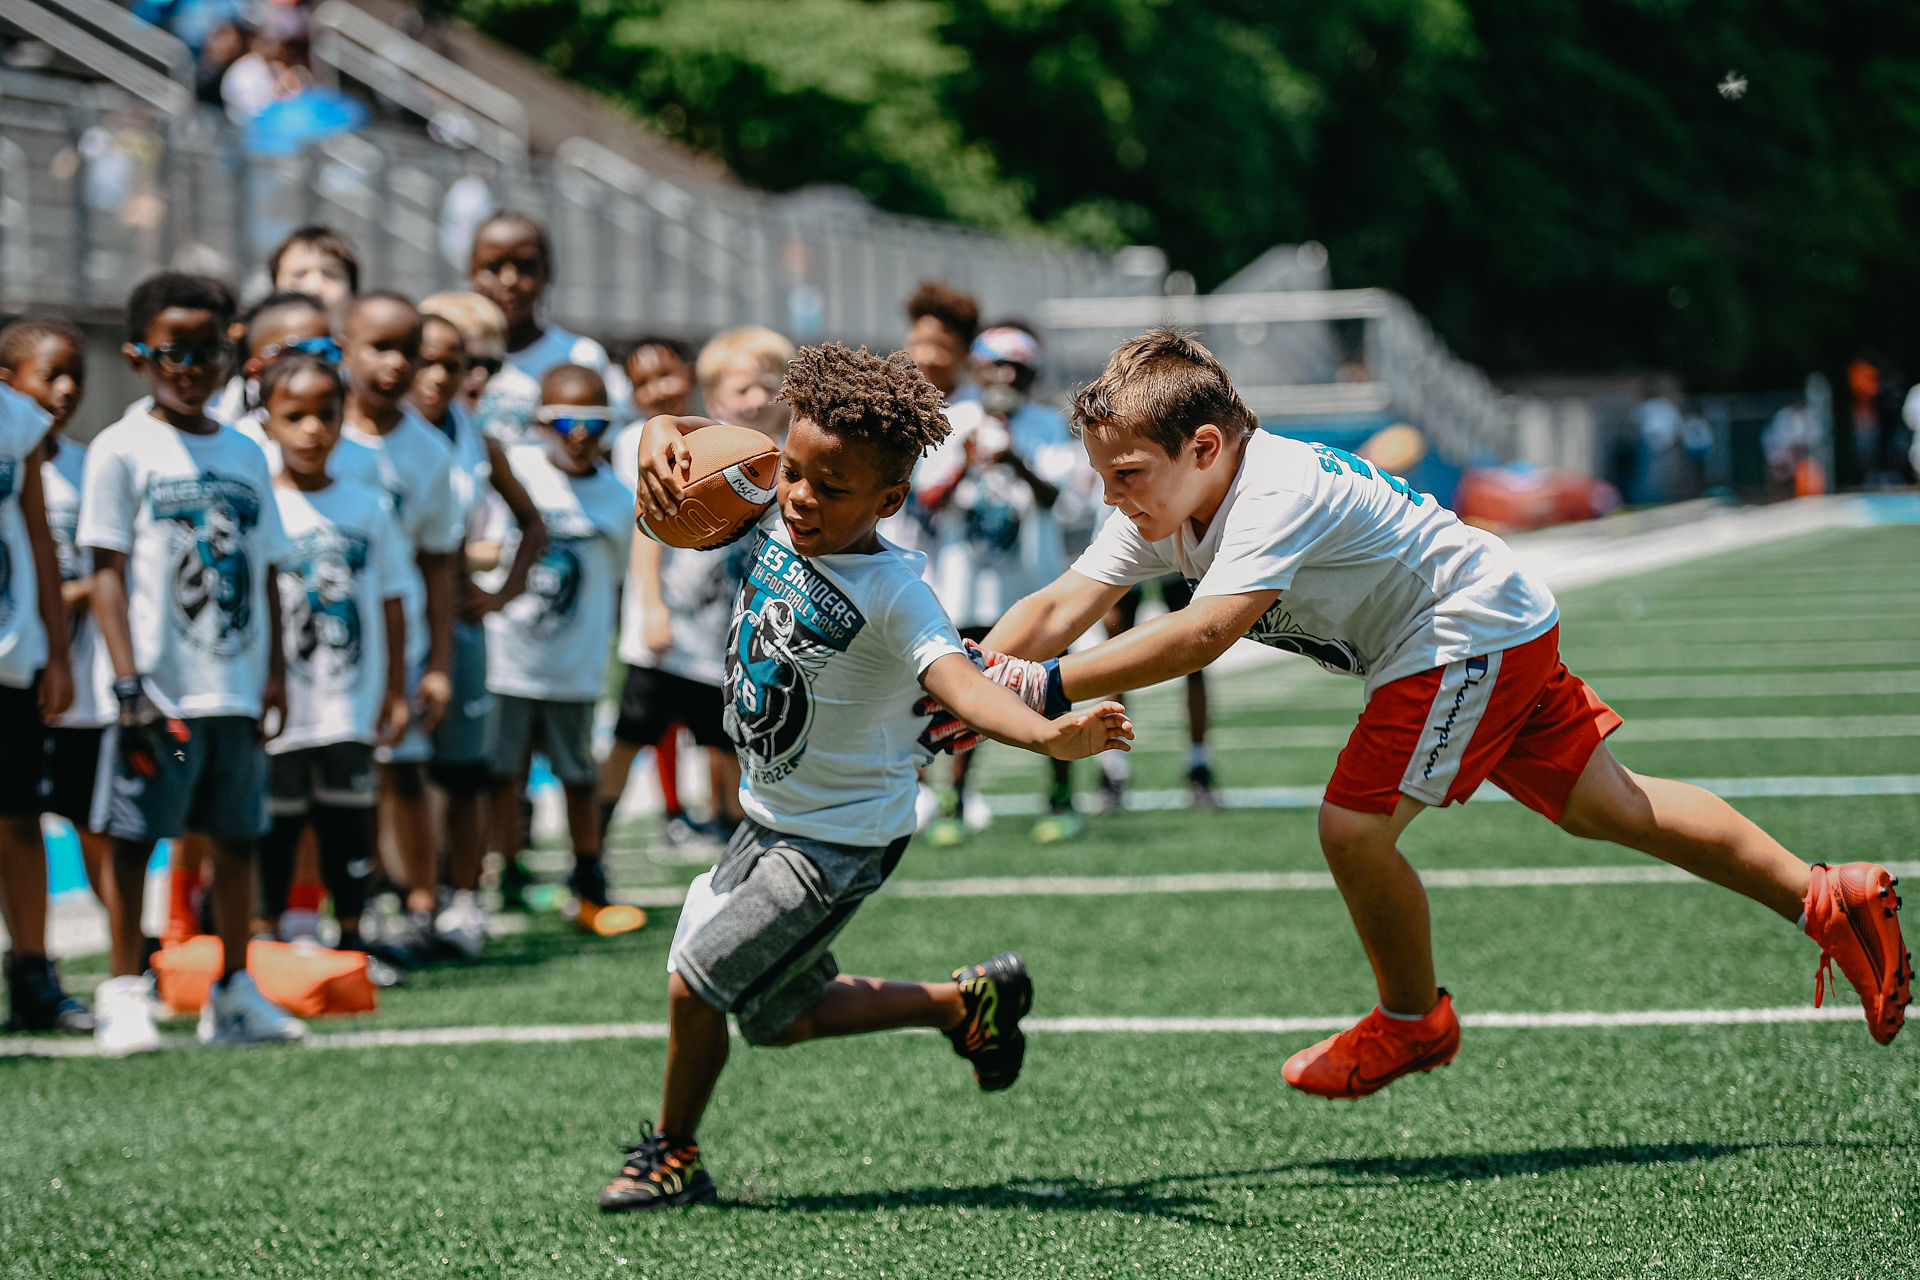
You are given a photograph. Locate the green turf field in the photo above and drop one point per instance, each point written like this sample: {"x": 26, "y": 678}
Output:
{"x": 1764, "y": 1150}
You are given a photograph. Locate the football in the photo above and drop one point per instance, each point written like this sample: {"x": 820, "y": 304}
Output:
{"x": 729, "y": 486}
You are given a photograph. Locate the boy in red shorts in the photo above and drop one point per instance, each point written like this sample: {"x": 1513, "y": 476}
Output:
{"x": 1309, "y": 549}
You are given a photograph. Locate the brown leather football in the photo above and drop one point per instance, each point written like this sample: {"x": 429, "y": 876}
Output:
{"x": 729, "y": 486}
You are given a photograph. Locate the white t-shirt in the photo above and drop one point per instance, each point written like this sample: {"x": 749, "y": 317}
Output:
{"x": 413, "y": 465}
{"x": 60, "y": 479}
{"x": 992, "y": 543}
{"x": 550, "y": 642}
{"x": 196, "y": 519}
{"x": 348, "y": 559}
{"x": 823, "y": 668}
{"x": 23, "y": 636}
{"x": 697, "y": 588}
{"x": 1377, "y": 581}
{"x": 506, "y": 406}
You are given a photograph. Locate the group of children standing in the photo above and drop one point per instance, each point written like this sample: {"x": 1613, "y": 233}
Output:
{"x": 348, "y": 551}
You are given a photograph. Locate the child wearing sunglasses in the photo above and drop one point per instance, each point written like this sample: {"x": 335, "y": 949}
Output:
{"x": 178, "y": 513}
{"x": 546, "y": 649}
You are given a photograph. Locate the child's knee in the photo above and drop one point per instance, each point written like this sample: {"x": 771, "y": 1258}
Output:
{"x": 1346, "y": 834}
{"x": 408, "y": 780}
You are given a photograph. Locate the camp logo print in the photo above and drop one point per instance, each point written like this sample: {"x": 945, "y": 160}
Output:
{"x": 788, "y": 621}
{"x": 1277, "y": 629}
{"x": 211, "y": 582}
{"x": 326, "y": 636}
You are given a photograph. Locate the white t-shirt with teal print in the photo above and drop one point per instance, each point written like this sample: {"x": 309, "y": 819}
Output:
{"x": 1375, "y": 580}
{"x": 823, "y": 669}
{"x": 348, "y": 559}
{"x": 196, "y": 519}
{"x": 413, "y": 465}
{"x": 551, "y": 641}
{"x": 23, "y": 638}
{"x": 60, "y": 479}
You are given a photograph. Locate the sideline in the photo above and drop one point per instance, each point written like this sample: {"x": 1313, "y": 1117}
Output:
{"x": 30, "y": 1047}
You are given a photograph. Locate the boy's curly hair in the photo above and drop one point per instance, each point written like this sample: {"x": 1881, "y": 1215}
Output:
{"x": 884, "y": 402}
{"x": 958, "y": 311}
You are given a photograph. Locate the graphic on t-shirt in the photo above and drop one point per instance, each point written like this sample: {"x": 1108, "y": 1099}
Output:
{"x": 1277, "y": 629}
{"x": 788, "y": 621}
{"x": 212, "y": 576}
{"x": 1340, "y": 462}
{"x": 8, "y": 467}
{"x": 326, "y": 634}
{"x": 993, "y": 521}
{"x": 554, "y": 582}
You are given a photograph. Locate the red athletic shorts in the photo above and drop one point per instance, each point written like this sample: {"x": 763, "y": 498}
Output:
{"x": 1517, "y": 717}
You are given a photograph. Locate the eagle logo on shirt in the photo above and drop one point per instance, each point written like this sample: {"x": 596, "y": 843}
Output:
{"x": 788, "y": 621}
{"x": 325, "y": 635}
{"x": 212, "y": 576}
{"x": 1277, "y": 629}
{"x": 554, "y": 582}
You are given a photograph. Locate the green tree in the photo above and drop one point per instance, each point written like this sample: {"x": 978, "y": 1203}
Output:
{"x": 1559, "y": 184}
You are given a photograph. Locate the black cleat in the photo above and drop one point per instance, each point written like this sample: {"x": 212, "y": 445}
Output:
{"x": 657, "y": 1175}
{"x": 36, "y": 1000}
{"x": 1201, "y": 793}
{"x": 997, "y": 993}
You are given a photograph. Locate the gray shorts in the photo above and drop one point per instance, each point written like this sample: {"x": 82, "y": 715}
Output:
{"x": 414, "y": 745}
{"x": 214, "y": 783}
{"x": 339, "y": 775}
{"x": 561, "y": 731}
{"x": 778, "y": 901}
{"x": 461, "y": 738}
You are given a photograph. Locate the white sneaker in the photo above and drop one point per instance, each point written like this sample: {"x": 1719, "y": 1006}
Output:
{"x": 974, "y": 813}
{"x": 123, "y": 1018}
{"x": 236, "y": 1013}
{"x": 300, "y": 927}
{"x": 463, "y": 925}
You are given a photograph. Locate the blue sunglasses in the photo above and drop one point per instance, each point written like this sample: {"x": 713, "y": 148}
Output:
{"x": 324, "y": 347}
{"x": 568, "y": 418}
{"x": 176, "y": 357}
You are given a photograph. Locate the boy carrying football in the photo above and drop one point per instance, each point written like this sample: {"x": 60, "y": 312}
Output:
{"x": 1307, "y": 548}
{"x": 834, "y": 633}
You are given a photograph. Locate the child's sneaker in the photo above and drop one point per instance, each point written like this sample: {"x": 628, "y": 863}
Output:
{"x": 1056, "y": 828}
{"x": 1201, "y": 793}
{"x": 37, "y": 1002}
{"x": 684, "y": 843}
{"x": 462, "y": 927}
{"x": 658, "y": 1175}
{"x": 1113, "y": 794}
{"x": 515, "y": 881}
{"x": 236, "y": 1013}
{"x": 593, "y": 911}
{"x": 1853, "y": 913}
{"x": 1374, "y": 1052}
{"x": 997, "y": 994}
{"x": 123, "y": 1018}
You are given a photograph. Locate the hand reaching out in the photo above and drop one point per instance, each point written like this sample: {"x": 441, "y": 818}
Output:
{"x": 1090, "y": 731}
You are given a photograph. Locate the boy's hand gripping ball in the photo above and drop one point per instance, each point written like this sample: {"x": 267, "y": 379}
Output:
{"x": 728, "y": 486}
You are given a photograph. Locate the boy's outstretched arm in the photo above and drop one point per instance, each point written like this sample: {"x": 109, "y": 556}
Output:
{"x": 1043, "y": 624}
{"x": 1002, "y": 716}
{"x": 1169, "y": 646}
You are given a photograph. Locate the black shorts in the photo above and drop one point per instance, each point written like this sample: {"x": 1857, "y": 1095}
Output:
{"x": 975, "y": 634}
{"x": 653, "y": 701}
{"x": 72, "y": 766}
{"x": 20, "y": 722}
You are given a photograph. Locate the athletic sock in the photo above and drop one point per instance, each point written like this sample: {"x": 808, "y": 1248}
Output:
{"x": 346, "y": 840}
{"x": 1199, "y": 756}
{"x": 606, "y": 818}
{"x": 666, "y": 762}
{"x": 1115, "y": 766}
{"x": 273, "y": 874}
{"x": 1403, "y": 1017}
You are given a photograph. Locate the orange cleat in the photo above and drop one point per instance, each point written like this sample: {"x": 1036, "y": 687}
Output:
{"x": 1374, "y": 1052}
{"x": 611, "y": 920}
{"x": 1853, "y": 913}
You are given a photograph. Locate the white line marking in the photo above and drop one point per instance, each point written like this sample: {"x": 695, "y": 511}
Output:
{"x": 1838, "y": 652}
{"x": 1249, "y": 882}
{"x": 428, "y": 1037}
{"x": 1705, "y": 729}
{"x": 1791, "y": 786}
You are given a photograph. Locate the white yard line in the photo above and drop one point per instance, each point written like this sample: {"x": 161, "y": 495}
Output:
{"x": 438, "y": 1037}
{"x": 1712, "y": 729}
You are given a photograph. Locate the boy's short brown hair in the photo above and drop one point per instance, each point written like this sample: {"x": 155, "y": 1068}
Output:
{"x": 884, "y": 402}
{"x": 750, "y": 344}
{"x": 321, "y": 239}
{"x": 1163, "y": 385}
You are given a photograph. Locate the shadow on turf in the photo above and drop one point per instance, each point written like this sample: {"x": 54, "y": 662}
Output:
{"x": 1191, "y": 1197}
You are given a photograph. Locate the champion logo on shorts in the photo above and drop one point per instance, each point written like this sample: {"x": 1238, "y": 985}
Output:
{"x": 1473, "y": 674}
